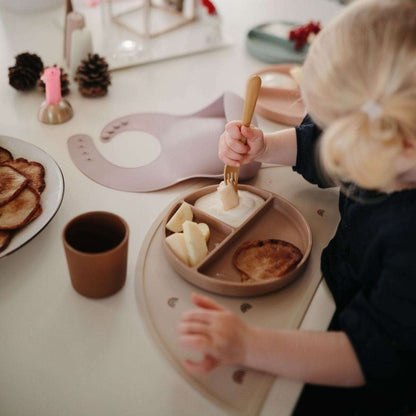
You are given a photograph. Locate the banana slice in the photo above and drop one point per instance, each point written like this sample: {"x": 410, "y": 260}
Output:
{"x": 184, "y": 213}
{"x": 177, "y": 243}
{"x": 228, "y": 195}
{"x": 195, "y": 242}
{"x": 205, "y": 230}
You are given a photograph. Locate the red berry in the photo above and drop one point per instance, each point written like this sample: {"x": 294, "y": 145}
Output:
{"x": 300, "y": 34}
{"x": 210, "y": 7}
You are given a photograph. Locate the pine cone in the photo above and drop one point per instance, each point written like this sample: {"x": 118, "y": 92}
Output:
{"x": 30, "y": 60}
{"x": 64, "y": 83}
{"x": 26, "y": 72}
{"x": 93, "y": 77}
{"x": 22, "y": 78}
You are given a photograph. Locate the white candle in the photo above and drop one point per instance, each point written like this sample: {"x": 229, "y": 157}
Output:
{"x": 81, "y": 46}
{"x": 74, "y": 21}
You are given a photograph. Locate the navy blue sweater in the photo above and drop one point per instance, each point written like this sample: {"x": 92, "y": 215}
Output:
{"x": 370, "y": 268}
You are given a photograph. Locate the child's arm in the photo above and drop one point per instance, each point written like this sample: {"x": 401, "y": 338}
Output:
{"x": 280, "y": 148}
{"x": 296, "y": 147}
{"x": 313, "y": 357}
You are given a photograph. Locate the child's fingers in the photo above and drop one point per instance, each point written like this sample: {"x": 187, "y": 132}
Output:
{"x": 230, "y": 154}
{"x": 205, "y": 302}
{"x": 226, "y": 159}
{"x": 236, "y": 145}
{"x": 246, "y": 159}
{"x": 230, "y": 162}
{"x": 207, "y": 364}
{"x": 250, "y": 133}
{"x": 197, "y": 342}
{"x": 198, "y": 315}
{"x": 233, "y": 129}
{"x": 193, "y": 328}
{"x": 226, "y": 154}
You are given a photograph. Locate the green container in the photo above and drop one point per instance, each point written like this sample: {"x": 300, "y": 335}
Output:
{"x": 271, "y": 48}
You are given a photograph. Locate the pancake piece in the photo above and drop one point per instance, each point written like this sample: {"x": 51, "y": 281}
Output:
{"x": 11, "y": 184}
{"x": 36, "y": 213}
{"x": 266, "y": 259}
{"x": 5, "y": 155}
{"x": 33, "y": 171}
{"x": 21, "y": 183}
{"x": 5, "y": 237}
{"x": 20, "y": 210}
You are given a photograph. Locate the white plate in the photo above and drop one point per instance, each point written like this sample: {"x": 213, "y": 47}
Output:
{"x": 51, "y": 197}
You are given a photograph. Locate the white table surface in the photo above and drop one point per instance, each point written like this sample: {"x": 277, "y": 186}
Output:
{"x": 63, "y": 354}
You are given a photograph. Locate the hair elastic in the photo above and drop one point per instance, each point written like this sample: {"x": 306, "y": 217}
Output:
{"x": 372, "y": 109}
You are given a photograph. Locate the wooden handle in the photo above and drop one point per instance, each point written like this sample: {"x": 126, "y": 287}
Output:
{"x": 252, "y": 92}
{"x": 69, "y": 7}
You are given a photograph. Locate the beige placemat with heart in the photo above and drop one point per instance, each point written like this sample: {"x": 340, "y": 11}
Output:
{"x": 163, "y": 296}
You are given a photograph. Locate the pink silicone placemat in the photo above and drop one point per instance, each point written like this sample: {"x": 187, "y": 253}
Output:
{"x": 163, "y": 296}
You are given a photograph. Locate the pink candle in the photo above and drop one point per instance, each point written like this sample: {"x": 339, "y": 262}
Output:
{"x": 52, "y": 79}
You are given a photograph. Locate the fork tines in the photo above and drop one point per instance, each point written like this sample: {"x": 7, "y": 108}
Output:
{"x": 231, "y": 175}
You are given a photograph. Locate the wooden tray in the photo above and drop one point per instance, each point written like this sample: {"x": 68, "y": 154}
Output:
{"x": 276, "y": 218}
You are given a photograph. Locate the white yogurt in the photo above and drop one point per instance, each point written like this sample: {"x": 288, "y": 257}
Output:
{"x": 212, "y": 205}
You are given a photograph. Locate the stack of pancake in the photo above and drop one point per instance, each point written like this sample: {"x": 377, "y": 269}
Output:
{"x": 21, "y": 184}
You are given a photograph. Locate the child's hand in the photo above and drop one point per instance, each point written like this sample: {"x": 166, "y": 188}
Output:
{"x": 231, "y": 149}
{"x": 216, "y": 332}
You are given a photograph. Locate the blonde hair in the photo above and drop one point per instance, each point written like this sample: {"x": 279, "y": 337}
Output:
{"x": 365, "y": 58}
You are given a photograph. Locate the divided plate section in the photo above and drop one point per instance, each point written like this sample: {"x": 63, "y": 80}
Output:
{"x": 275, "y": 219}
{"x": 212, "y": 188}
{"x": 218, "y": 230}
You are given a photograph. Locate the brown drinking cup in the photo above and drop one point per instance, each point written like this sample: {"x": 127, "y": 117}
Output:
{"x": 96, "y": 252}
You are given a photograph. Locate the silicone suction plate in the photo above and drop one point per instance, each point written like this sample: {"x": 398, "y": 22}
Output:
{"x": 275, "y": 219}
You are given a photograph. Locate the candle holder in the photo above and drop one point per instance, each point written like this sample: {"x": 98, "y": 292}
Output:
{"x": 168, "y": 15}
{"x": 55, "y": 109}
{"x": 55, "y": 113}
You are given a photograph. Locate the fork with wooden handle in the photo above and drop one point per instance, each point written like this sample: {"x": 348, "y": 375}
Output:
{"x": 252, "y": 92}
